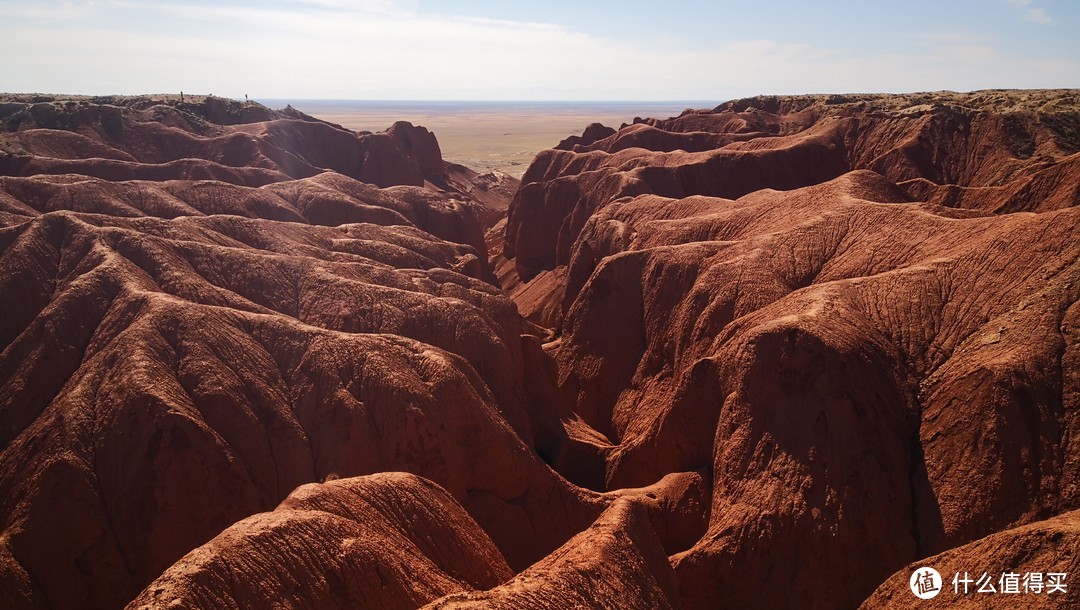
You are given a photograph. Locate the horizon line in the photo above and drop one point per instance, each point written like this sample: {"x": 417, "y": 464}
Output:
{"x": 480, "y": 101}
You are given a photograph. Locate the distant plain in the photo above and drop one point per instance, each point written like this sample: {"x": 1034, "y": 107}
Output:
{"x": 488, "y": 135}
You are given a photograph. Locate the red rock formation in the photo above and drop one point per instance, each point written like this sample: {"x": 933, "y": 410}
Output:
{"x": 389, "y": 541}
{"x": 164, "y": 379}
{"x": 592, "y": 133}
{"x": 995, "y": 151}
{"x": 180, "y": 355}
{"x": 494, "y": 189}
{"x": 399, "y": 541}
{"x": 1040, "y": 548}
{"x": 615, "y": 563}
{"x": 868, "y": 378}
{"x": 147, "y": 139}
{"x": 786, "y": 340}
{"x": 420, "y": 144}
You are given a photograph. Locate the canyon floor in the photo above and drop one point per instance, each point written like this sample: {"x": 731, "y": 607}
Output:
{"x": 779, "y": 353}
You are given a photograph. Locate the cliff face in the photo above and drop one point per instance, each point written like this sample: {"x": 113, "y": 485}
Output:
{"x": 765, "y": 355}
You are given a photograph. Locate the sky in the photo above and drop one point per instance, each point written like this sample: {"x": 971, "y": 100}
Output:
{"x": 577, "y": 50}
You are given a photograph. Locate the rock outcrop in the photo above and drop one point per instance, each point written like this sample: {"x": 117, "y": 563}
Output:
{"x": 592, "y": 133}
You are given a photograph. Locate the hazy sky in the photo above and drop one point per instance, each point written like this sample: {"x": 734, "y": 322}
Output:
{"x": 539, "y": 50}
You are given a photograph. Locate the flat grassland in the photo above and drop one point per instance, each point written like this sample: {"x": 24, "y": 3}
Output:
{"x": 488, "y": 135}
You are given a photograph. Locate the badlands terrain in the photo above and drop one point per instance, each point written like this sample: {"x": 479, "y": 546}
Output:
{"x": 775, "y": 354}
